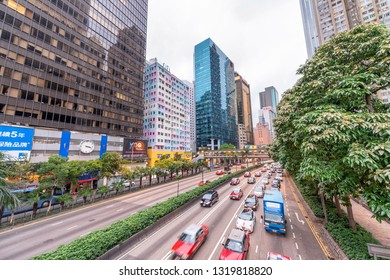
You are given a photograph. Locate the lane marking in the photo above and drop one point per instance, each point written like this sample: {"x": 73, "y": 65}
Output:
{"x": 293, "y": 234}
{"x": 118, "y": 210}
{"x": 72, "y": 227}
{"x": 291, "y": 226}
{"x": 257, "y": 247}
{"x": 296, "y": 245}
{"x": 300, "y": 257}
{"x": 301, "y": 221}
{"x": 55, "y": 224}
{"x": 85, "y": 233}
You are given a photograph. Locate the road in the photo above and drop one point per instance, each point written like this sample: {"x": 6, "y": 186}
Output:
{"x": 299, "y": 242}
{"x": 26, "y": 241}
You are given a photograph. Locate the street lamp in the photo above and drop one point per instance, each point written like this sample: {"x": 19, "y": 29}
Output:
{"x": 177, "y": 177}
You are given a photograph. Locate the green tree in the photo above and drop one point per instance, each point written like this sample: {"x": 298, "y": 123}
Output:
{"x": 110, "y": 165}
{"x": 227, "y": 146}
{"x": 331, "y": 132}
{"x": 65, "y": 200}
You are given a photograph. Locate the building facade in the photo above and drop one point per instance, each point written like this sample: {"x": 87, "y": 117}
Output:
{"x": 244, "y": 110}
{"x": 192, "y": 115}
{"x": 215, "y": 97}
{"x": 167, "y": 112}
{"x": 324, "y": 19}
{"x": 262, "y": 134}
{"x": 267, "y": 116}
{"x": 73, "y": 65}
{"x": 269, "y": 98}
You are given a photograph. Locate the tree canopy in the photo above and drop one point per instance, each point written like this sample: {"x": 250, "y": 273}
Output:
{"x": 331, "y": 130}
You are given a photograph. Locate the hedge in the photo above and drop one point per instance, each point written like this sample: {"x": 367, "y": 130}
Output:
{"x": 93, "y": 245}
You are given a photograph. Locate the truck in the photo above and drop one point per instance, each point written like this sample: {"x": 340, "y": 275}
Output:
{"x": 273, "y": 205}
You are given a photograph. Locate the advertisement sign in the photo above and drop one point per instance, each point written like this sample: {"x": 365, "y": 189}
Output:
{"x": 16, "y": 142}
{"x": 134, "y": 149}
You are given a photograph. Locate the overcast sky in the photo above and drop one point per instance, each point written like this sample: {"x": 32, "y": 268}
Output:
{"x": 263, "y": 38}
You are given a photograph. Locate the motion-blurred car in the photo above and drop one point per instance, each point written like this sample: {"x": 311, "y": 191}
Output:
{"x": 236, "y": 246}
{"x": 236, "y": 194}
{"x": 204, "y": 182}
{"x": 234, "y": 181}
{"x": 251, "y": 202}
{"x": 246, "y": 220}
{"x": 251, "y": 180}
{"x": 258, "y": 191}
{"x": 247, "y": 174}
{"x": 265, "y": 181}
{"x": 276, "y": 256}
{"x": 189, "y": 242}
{"x": 209, "y": 198}
{"x": 219, "y": 172}
{"x": 257, "y": 174}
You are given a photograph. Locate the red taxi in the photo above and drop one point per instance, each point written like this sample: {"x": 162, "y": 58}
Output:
{"x": 189, "y": 242}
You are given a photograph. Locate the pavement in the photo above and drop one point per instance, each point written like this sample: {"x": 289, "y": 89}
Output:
{"x": 363, "y": 216}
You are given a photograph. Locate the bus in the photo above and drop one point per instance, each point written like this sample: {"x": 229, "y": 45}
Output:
{"x": 26, "y": 205}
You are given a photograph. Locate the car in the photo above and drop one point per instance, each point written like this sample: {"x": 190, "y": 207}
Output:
{"x": 204, "y": 182}
{"x": 265, "y": 181}
{"x": 209, "y": 198}
{"x": 276, "y": 182}
{"x": 227, "y": 172}
{"x": 246, "y": 220}
{"x": 234, "y": 181}
{"x": 247, "y": 174}
{"x": 243, "y": 166}
{"x": 189, "y": 242}
{"x": 258, "y": 191}
{"x": 236, "y": 194}
{"x": 236, "y": 246}
{"x": 251, "y": 180}
{"x": 276, "y": 256}
{"x": 251, "y": 202}
{"x": 263, "y": 169}
{"x": 219, "y": 172}
{"x": 257, "y": 174}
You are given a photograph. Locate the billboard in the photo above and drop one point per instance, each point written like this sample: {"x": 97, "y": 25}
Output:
{"x": 16, "y": 142}
{"x": 135, "y": 149}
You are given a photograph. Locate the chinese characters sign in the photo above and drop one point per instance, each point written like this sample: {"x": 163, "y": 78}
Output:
{"x": 135, "y": 148}
{"x": 16, "y": 142}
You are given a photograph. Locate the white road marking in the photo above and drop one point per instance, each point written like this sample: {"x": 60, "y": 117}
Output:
{"x": 291, "y": 227}
{"x": 120, "y": 209}
{"x": 257, "y": 248}
{"x": 85, "y": 233}
{"x": 289, "y": 220}
{"x": 109, "y": 206}
{"x": 300, "y": 257}
{"x": 296, "y": 245}
{"x": 301, "y": 221}
{"x": 288, "y": 214}
{"x": 57, "y": 223}
{"x": 72, "y": 227}
{"x": 294, "y": 235}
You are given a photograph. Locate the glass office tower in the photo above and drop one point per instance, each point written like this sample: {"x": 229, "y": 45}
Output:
{"x": 73, "y": 65}
{"x": 216, "y": 110}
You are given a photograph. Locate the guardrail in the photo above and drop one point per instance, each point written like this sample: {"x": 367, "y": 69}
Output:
{"x": 378, "y": 251}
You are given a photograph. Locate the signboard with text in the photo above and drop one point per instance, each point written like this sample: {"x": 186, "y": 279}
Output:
{"x": 135, "y": 149}
{"x": 16, "y": 142}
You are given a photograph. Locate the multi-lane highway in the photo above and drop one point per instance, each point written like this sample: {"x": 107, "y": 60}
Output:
{"x": 299, "y": 242}
{"x": 24, "y": 242}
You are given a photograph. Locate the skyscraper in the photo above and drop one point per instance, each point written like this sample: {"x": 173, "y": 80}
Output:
{"x": 167, "y": 112}
{"x": 269, "y": 98}
{"x": 324, "y": 19}
{"x": 215, "y": 97}
{"x": 192, "y": 115}
{"x": 73, "y": 65}
{"x": 244, "y": 111}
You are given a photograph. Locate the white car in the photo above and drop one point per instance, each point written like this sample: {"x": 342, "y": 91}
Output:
{"x": 246, "y": 220}
{"x": 265, "y": 181}
{"x": 258, "y": 192}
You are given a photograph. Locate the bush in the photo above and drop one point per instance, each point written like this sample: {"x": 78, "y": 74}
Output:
{"x": 95, "y": 244}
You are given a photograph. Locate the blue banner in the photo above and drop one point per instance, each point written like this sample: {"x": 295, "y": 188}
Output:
{"x": 65, "y": 143}
{"x": 103, "y": 145}
{"x": 13, "y": 138}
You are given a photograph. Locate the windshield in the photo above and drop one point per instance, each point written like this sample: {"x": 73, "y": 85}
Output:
{"x": 274, "y": 218}
{"x": 236, "y": 191}
{"x": 246, "y": 215}
{"x": 207, "y": 196}
{"x": 234, "y": 246}
{"x": 187, "y": 238}
{"x": 258, "y": 189}
{"x": 250, "y": 200}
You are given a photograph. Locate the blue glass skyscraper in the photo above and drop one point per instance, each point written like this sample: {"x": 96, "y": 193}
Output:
{"x": 216, "y": 110}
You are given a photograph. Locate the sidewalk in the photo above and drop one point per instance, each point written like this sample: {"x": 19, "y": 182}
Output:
{"x": 380, "y": 231}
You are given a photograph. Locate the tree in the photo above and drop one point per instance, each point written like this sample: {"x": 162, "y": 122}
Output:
{"x": 110, "y": 165}
{"x": 140, "y": 172}
{"x": 331, "y": 132}
{"x": 227, "y": 146}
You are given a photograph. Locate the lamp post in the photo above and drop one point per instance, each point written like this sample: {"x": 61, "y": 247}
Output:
{"x": 177, "y": 177}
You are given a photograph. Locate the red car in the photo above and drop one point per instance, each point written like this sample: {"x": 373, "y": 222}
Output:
{"x": 204, "y": 182}
{"x": 247, "y": 174}
{"x": 219, "y": 172}
{"x": 236, "y": 246}
{"x": 234, "y": 181}
{"x": 236, "y": 194}
{"x": 189, "y": 242}
{"x": 276, "y": 256}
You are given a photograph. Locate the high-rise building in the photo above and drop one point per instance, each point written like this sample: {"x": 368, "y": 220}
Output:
{"x": 267, "y": 116}
{"x": 262, "y": 134}
{"x": 192, "y": 115}
{"x": 324, "y": 19}
{"x": 167, "y": 113}
{"x": 215, "y": 97}
{"x": 73, "y": 65}
{"x": 244, "y": 111}
{"x": 269, "y": 98}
